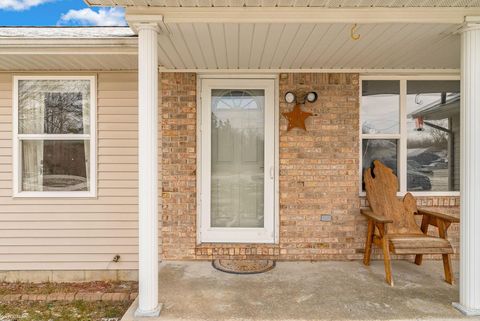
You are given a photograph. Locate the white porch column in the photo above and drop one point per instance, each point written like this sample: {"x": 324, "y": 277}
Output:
{"x": 147, "y": 168}
{"x": 470, "y": 170}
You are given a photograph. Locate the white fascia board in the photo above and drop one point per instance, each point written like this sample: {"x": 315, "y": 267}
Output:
{"x": 37, "y": 46}
{"x": 301, "y": 15}
{"x": 425, "y": 73}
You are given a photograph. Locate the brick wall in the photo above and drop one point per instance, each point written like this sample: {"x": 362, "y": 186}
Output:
{"x": 178, "y": 94}
{"x": 318, "y": 175}
{"x": 319, "y": 169}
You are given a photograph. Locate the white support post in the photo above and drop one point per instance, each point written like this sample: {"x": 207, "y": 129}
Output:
{"x": 470, "y": 170}
{"x": 148, "y": 169}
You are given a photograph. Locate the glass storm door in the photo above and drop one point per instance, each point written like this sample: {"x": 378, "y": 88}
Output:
{"x": 237, "y": 162}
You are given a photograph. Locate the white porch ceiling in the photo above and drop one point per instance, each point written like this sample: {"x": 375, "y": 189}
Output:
{"x": 309, "y": 46}
{"x": 249, "y": 47}
{"x": 288, "y": 3}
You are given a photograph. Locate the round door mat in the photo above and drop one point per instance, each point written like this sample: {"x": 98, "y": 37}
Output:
{"x": 243, "y": 266}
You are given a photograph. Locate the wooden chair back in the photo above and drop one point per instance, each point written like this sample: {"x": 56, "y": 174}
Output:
{"x": 381, "y": 187}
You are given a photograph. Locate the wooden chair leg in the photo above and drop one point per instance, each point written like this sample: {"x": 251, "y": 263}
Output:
{"x": 447, "y": 263}
{"x": 424, "y": 228}
{"x": 418, "y": 259}
{"x": 447, "y": 266}
{"x": 386, "y": 261}
{"x": 368, "y": 243}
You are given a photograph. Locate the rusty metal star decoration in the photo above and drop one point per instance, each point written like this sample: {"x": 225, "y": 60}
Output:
{"x": 296, "y": 118}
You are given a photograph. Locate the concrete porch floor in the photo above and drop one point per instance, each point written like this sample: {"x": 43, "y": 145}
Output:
{"x": 306, "y": 291}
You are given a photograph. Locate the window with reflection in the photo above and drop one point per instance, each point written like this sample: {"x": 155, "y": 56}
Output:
{"x": 380, "y": 107}
{"x": 426, "y": 139}
{"x": 54, "y": 135}
{"x": 380, "y": 121}
{"x": 433, "y": 135}
{"x": 237, "y": 158}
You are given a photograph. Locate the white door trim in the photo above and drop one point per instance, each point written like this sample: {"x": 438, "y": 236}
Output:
{"x": 270, "y": 232}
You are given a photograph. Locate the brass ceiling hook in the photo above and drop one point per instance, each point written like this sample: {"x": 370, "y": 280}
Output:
{"x": 354, "y": 34}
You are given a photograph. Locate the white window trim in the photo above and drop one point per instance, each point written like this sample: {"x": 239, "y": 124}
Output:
{"x": 276, "y": 207}
{"x": 402, "y": 135}
{"x": 17, "y": 166}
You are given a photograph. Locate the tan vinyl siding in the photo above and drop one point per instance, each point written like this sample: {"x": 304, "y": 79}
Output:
{"x": 77, "y": 233}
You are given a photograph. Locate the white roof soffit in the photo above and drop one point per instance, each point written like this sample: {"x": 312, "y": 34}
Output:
{"x": 300, "y": 38}
{"x": 53, "y": 48}
{"x": 252, "y": 47}
{"x": 309, "y": 46}
{"x": 289, "y": 3}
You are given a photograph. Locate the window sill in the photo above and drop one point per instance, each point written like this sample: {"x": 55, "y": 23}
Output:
{"x": 423, "y": 194}
{"x": 55, "y": 195}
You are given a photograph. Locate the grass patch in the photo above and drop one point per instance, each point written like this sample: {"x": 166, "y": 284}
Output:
{"x": 63, "y": 311}
{"x": 53, "y": 287}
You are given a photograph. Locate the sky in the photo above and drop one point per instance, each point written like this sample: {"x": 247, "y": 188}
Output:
{"x": 57, "y": 13}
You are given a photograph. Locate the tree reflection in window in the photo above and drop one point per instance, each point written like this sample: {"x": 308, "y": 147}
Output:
{"x": 54, "y": 120}
{"x": 63, "y": 113}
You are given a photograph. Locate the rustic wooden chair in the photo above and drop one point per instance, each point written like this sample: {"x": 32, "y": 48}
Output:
{"x": 392, "y": 225}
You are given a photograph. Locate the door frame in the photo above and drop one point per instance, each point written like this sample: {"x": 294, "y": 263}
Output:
{"x": 201, "y": 237}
